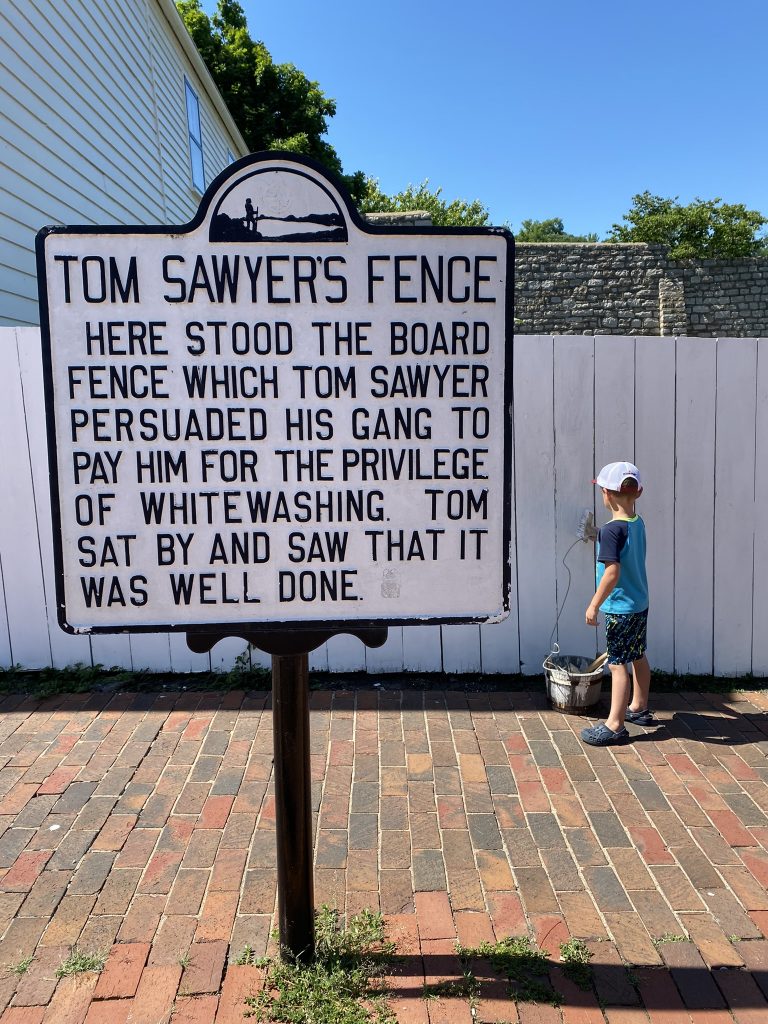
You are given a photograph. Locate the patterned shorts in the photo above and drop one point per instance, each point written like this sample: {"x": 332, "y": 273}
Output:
{"x": 625, "y": 637}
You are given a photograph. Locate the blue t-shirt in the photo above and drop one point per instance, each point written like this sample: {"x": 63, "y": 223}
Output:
{"x": 623, "y": 541}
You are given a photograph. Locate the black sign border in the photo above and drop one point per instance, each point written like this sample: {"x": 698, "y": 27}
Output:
{"x": 166, "y": 229}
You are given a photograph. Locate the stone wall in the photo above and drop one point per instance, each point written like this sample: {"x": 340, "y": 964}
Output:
{"x": 635, "y": 289}
{"x": 404, "y": 218}
{"x": 607, "y": 288}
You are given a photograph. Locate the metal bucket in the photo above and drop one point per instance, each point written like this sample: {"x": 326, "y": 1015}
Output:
{"x": 573, "y": 683}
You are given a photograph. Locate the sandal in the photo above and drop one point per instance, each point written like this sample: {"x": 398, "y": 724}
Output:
{"x": 602, "y": 736}
{"x": 644, "y": 717}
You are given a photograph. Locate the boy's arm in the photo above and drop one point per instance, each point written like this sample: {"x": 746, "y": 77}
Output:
{"x": 607, "y": 583}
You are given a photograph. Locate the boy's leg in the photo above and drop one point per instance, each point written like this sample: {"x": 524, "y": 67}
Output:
{"x": 620, "y": 691}
{"x": 641, "y": 672}
{"x": 621, "y": 685}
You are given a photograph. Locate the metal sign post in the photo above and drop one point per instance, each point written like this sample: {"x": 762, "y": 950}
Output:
{"x": 293, "y": 782}
{"x": 293, "y": 804}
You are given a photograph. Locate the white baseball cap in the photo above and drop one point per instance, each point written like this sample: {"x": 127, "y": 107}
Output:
{"x": 614, "y": 474}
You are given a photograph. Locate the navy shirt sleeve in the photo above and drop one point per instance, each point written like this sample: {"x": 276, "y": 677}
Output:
{"x": 611, "y": 541}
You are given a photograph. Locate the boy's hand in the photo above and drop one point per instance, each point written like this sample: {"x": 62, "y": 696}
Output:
{"x": 592, "y": 611}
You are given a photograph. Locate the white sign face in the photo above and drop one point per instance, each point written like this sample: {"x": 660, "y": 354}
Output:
{"x": 277, "y": 414}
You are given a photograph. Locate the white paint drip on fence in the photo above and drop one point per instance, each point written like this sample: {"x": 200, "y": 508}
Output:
{"x": 693, "y": 414}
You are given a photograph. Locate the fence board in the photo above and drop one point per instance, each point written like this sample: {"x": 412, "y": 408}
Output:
{"x": 225, "y": 653}
{"x": 760, "y": 572}
{"x": 112, "y": 650}
{"x": 534, "y": 473}
{"x": 65, "y": 648}
{"x": 422, "y": 648}
{"x": 655, "y": 455}
{"x": 318, "y": 659}
{"x": 694, "y": 503}
{"x": 151, "y": 652}
{"x": 734, "y": 505}
{"x": 345, "y": 654}
{"x": 388, "y": 657}
{"x": 6, "y": 659}
{"x": 500, "y": 641}
{"x": 614, "y": 400}
{"x": 184, "y": 660}
{"x": 614, "y": 416}
{"x": 461, "y": 648}
{"x": 19, "y": 545}
{"x": 574, "y": 368}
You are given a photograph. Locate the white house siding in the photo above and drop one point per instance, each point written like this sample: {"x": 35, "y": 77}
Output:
{"x": 214, "y": 147}
{"x": 93, "y": 126}
{"x": 172, "y": 125}
{"x": 181, "y": 198}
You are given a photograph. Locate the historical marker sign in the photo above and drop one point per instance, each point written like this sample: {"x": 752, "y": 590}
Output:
{"x": 277, "y": 414}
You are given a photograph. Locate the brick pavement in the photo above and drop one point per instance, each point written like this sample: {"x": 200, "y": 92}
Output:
{"x": 142, "y": 825}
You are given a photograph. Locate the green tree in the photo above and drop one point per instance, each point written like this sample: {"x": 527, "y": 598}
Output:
{"x": 275, "y": 106}
{"x": 551, "y": 230}
{"x": 704, "y": 229}
{"x": 456, "y": 213}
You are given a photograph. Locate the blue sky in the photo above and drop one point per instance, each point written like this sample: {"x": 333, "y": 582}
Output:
{"x": 544, "y": 108}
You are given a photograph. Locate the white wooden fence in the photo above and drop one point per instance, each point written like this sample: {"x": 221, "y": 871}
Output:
{"x": 691, "y": 412}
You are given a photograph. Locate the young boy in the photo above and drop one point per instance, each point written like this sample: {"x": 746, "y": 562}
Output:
{"x": 622, "y": 594}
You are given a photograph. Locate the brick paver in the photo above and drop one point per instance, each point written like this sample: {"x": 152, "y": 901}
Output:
{"x": 144, "y": 825}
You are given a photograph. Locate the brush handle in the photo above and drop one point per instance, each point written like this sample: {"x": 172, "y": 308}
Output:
{"x": 599, "y": 661}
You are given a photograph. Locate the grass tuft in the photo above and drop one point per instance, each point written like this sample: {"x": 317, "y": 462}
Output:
{"x": 245, "y": 676}
{"x": 247, "y": 958}
{"x": 78, "y": 962}
{"x": 466, "y": 987}
{"x": 525, "y": 966}
{"x": 669, "y": 937}
{"x": 344, "y": 985}
{"x": 575, "y": 956}
{"x": 22, "y": 966}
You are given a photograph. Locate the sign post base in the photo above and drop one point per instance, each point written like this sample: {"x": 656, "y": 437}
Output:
{"x": 293, "y": 784}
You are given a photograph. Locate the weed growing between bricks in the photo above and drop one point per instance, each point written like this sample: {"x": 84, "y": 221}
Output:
{"x": 345, "y": 984}
{"x": 78, "y": 962}
{"x": 575, "y": 956}
{"x": 466, "y": 987}
{"x": 669, "y": 937}
{"x": 524, "y": 965}
{"x": 22, "y": 966}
